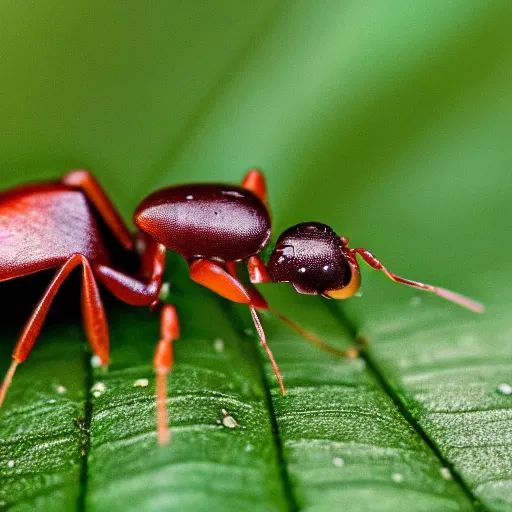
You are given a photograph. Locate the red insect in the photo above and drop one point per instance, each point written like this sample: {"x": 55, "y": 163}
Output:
{"x": 213, "y": 226}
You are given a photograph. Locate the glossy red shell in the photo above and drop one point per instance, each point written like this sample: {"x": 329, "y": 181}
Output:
{"x": 42, "y": 225}
{"x": 211, "y": 221}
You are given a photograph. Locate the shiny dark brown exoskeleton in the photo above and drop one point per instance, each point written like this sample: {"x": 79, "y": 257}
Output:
{"x": 210, "y": 221}
{"x": 212, "y": 226}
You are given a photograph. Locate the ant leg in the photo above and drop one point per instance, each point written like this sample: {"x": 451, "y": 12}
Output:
{"x": 350, "y": 353}
{"x": 254, "y": 181}
{"x": 257, "y": 270}
{"x": 213, "y": 276}
{"x": 135, "y": 292}
{"x": 162, "y": 363}
{"x": 131, "y": 290}
{"x": 94, "y": 320}
{"x": 152, "y": 256}
{"x": 86, "y": 182}
{"x": 466, "y": 302}
{"x": 256, "y": 297}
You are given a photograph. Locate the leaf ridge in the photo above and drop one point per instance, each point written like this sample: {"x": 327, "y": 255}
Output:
{"x": 283, "y": 471}
{"x": 373, "y": 368}
{"x": 85, "y": 429}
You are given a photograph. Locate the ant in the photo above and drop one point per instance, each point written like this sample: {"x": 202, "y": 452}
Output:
{"x": 61, "y": 225}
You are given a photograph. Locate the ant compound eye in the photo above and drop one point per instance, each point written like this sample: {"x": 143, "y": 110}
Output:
{"x": 311, "y": 258}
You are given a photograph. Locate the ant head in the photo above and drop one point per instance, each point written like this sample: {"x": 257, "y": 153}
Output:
{"x": 315, "y": 260}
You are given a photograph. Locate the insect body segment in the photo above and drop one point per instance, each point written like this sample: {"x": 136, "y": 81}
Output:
{"x": 215, "y": 222}
{"x": 311, "y": 257}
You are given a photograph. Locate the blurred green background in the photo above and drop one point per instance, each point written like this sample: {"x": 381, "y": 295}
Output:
{"x": 389, "y": 120}
{"x": 363, "y": 114}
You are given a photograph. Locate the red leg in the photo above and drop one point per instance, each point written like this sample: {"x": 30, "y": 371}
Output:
{"x": 254, "y": 181}
{"x": 256, "y": 298}
{"x": 85, "y": 181}
{"x": 94, "y": 317}
{"x": 214, "y": 277}
{"x": 349, "y": 353}
{"x": 95, "y": 320}
{"x": 136, "y": 292}
{"x": 368, "y": 257}
{"x": 151, "y": 254}
{"x": 131, "y": 290}
{"x": 162, "y": 363}
{"x": 257, "y": 270}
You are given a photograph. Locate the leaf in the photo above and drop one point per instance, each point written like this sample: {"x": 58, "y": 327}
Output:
{"x": 391, "y": 124}
{"x": 43, "y": 437}
{"x": 449, "y": 376}
{"x": 346, "y": 443}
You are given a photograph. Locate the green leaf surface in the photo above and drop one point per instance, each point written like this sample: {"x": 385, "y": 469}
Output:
{"x": 345, "y": 442}
{"x": 210, "y": 466}
{"x": 41, "y": 444}
{"x": 388, "y": 120}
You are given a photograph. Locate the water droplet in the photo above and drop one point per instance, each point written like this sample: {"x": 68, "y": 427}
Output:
{"x": 10, "y": 464}
{"x": 338, "y": 462}
{"x": 61, "y": 389}
{"x": 228, "y": 421}
{"x": 280, "y": 259}
{"x": 302, "y": 270}
{"x": 141, "y": 383}
{"x": 249, "y": 447}
{"x": 445, "y": 473}
{"x": 95, "y": 361}
{"x": 52, "y": 401}
{"x": 397, "y": 477}
{"x": 190, "y": 197}
{"x": 326, "y": 267}
{"x": 98, "y": 389}
{"x": 218, "y": 345}
{"x": 505, "y": 389}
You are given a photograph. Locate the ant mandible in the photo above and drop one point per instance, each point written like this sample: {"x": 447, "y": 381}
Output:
{"x": 212, "y": 226}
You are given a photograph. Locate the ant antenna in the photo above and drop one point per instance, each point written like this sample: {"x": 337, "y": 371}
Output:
{"x": 463, "y": 301}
